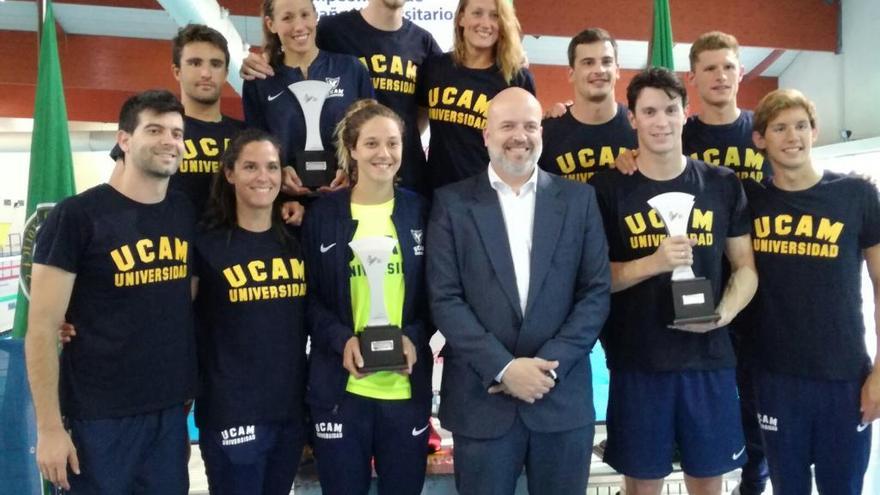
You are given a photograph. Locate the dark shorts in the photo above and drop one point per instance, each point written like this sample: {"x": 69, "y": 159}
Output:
{"x": 805, "y": 422}
{"x": 144, "y": 454}
{"x": 649, "y": 414}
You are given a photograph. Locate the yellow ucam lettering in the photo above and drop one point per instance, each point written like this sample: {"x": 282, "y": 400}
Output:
{"x": 585, "y": 158}
{"x": 635, "y": 223}
{"x": 731, "y": 158}
{"x": 828, "y": 231}
{"x": 754, "y": 160}
{"x": 396, "y": 65}
{"x": 279, "y": 270}
{"x": 482, "y": 105}
{"x": 165, "y": 252}
{"x": 804, "y": 226}
{"x": 209, "y": 146}
{"x": 181, "y": 250}
{"x": 762, "y": 227}
{"x": 257, "y": 270}
{"x": 702, "y": 220}
{"x": 189, "y": 149}
{"x": 449, "y": 95}
{"x": 711, "y": 156}
{"x": 235, "y": 276}
{"x": 465, "y": 99}
{"x": 411, "y": 70}
{"x": 144, "y": 249}
{"x": 122, "y": 258}
{"x": 782, "y": 224}
{"x": 565, "y": 162}
{"x": 378, "y": 63}
{"x": 297, "y": 269}
{"x": 655, "y": 219}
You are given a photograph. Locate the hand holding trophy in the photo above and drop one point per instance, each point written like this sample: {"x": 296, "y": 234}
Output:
{"x": 381, "y": 344}
{"x": 693, "y": 298}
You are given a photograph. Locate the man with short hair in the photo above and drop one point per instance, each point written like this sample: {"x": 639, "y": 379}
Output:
{"x": 671, "y": 386}
{"x": 115, "y": 261}
{"x": 594, "y": 130}
{"x": 200, "y": 63}
{"x": 518, "y": 281}
{"x": 720, "y": 134}
{"x": 393, "y": 49}
{"x": 817, "y": 391}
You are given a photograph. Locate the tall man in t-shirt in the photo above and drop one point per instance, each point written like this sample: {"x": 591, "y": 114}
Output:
{"x": 394, "y": 49}
{"x": 817, "y": 391}
{"x": 720, "y": 134}
{"x": 671, "y": 386}
{"x": 594, "y": 130}
{"x": 200, "y": 63}
{"x": 114, "y": 261}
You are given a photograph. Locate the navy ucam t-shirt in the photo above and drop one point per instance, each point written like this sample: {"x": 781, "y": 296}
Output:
{"x": 134, "y": 350}
{"x": 204, "y": 144}
{"x": 576, "y": 150}
{"x": 808, "y": 250}
{"x": 636, "y": 335}
{"x": 458, "y": 101}
{"x": 252, "y": 338}
{"x": 395, "y": 61}
{"x": 728, "y": 145}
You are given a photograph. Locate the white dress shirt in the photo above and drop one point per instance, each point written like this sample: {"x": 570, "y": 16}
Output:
{"x": 518, "y": 210}
{"x": 519, "y": 218}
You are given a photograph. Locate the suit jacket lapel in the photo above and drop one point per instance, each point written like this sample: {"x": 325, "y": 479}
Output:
{"x": 549, "y": 216}
{"x": 489, "y": 220}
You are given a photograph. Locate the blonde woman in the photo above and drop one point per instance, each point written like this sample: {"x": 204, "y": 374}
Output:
{"x": 486, "y": 58}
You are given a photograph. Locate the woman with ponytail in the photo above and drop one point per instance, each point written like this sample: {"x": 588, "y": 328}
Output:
{"x": 362, "y": 416}
{"x": 289, "y": 44}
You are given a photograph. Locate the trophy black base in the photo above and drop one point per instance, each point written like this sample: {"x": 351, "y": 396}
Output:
{"x": 693, "y": 301}
{"x": 382, "y": 349}
{"x": 316, "y": 168}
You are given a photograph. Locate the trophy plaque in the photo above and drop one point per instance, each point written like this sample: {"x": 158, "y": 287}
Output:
{"x": 314, "y": 165}
{"x": 381, "y": 343}
{"x": 692, "y": 296}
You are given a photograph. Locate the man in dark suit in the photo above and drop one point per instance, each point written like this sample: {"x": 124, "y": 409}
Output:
{"x": 519, "y": 285}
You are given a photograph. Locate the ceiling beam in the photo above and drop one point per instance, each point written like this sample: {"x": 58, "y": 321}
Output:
{"x": 763, "y": 65}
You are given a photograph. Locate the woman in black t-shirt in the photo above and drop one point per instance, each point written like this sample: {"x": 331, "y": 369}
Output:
{"x": 487, "y": 57}
{"x": 250, "y": 280}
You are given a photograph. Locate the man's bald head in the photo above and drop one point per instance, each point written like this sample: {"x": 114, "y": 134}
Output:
{"x": 513, "y": 134}
{"x": 513, "y": 97}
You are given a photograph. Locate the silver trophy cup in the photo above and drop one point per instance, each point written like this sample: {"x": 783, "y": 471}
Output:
{"x": 314, "y": 165}
{"x": 693, "y": 297}
{"x": 380, "y": 342}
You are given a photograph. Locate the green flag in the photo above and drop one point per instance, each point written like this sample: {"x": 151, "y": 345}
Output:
{"x": 661, "y": 37}
{"x": 51, "y": 168}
